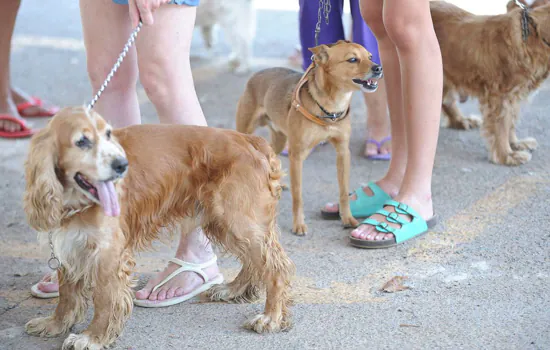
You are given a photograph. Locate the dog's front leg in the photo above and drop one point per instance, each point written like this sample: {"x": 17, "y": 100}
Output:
{"x": 70, "y": 310}
{"x": 526, "y": 144}
{"x": 113, "y": 303}
{"x": 296, "y": 157}
{"x": 343, "y": 168}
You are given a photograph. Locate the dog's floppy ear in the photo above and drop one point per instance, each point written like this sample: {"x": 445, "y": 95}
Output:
{"x": 43, "y": 200}
{"x": 320, "y": 54}
{"x": 541, "y": 16}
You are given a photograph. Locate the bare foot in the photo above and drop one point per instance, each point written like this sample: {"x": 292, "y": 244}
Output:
{"x": 378, "y": 142}
{"x": 370, "y": 233}
{"x": 181, "y": 284}
{"x": 49, "y": 283}
{"x": 20, "y": 97}
{"x": 8, "y": 108}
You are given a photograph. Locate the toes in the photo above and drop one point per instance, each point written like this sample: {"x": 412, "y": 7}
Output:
{"x": 143, "y": 294}
{"x": 161, "y": 295}
{"x": 331, "y": 207}
{"x": 48, "y": 287}
{"x": 171, "y": 292}
{"x": 179, "y": 292}
{"x": 388, "y": 236}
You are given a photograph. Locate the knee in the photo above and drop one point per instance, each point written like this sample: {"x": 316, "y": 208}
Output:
{"x": 405, "y": 31}
{"x": 162, "y": 81}
{"x": 121, "y": 82}
{"x": 372, "y": 15}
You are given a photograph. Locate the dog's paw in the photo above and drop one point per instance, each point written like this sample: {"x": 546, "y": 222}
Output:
{"x": 266, "y": 324}
{"x": 466, "y": 123}
{"x": 224, "y": 292}
{"x": 44, "y": 327}
{"x": 513, "y": 158}
{"x": 526, "y": 144}
{"x": 299, "y": 229}
{"x": 80, "y": 342}
{"x": 350, "y": 222}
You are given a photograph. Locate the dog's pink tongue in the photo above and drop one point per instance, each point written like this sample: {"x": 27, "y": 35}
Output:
{"x": 108, "y": 198}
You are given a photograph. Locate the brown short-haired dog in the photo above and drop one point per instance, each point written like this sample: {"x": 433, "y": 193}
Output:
{"x": 102, "y": 194}
{"x": 488, "y": 58}
{"x": 310, "y": 108}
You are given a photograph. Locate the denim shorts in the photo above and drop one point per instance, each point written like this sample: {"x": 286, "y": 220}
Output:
{"x": 177, "y": 2}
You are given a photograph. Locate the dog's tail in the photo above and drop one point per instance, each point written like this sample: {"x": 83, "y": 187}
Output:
{"x": 274, "y": 171}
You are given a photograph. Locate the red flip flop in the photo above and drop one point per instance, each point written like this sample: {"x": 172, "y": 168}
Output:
{"x": 24, "y": 132}
{"x": 36, "y": 102}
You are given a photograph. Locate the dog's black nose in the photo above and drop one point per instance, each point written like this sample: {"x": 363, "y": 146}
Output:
{"x": 119, "y": 165}
{"x": 377, "y": 69}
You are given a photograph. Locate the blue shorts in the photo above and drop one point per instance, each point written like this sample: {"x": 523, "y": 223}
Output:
{"x": 177, "y": 2}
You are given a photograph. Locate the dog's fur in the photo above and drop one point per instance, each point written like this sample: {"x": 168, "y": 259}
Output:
{"x": 267, "y": 100}
{"x": 237, "y": 19}
{"x": 486, "y": 57}
{"x": 178, "y": 176}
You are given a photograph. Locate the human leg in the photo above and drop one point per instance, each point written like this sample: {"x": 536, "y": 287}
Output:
{"x": 389, "y": 185}
{"x": 165, "y": 72}
{"x": 378, "y": 145}
{"x": 8, "y": 13}
{"x": 410, "y": 29}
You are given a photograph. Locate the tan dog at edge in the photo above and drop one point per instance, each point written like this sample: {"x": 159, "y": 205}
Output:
{"x": 308, "y": 108}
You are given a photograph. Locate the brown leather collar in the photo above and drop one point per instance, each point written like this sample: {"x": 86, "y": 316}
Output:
{"x": 297, "y": 103}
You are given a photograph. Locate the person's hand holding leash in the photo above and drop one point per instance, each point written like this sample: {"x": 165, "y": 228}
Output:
{"x": 144, "y": 9}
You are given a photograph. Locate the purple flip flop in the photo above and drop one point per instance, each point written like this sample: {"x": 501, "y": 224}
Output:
{"x": 379, "y": 144}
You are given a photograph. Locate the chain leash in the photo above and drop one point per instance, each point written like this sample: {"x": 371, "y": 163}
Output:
{"x": 324, "y": 9}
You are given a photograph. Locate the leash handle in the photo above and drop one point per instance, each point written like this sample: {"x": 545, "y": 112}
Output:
{"x": 123, "y": 54}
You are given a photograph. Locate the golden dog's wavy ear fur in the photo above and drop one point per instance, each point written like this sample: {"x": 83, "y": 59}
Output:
{"x": 541, "y": 15}
{"x": 43, "y": 199}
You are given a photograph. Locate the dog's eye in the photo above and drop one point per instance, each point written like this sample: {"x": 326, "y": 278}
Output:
{"x": 352, "y": 60}
{"x": 108, "y": 134}
{"x": 84, "y": 143}
{"x": 370, "y": 58}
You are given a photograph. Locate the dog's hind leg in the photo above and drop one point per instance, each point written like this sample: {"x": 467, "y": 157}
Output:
{"x": 243, "y": 289}
{"x": 278, "y": 140}
{"x": 247, "y": 113}
{"x": 498, "y": 115}
{"x": 71, "y": 309}
{"x": 274, "y": 268}
{"x": 456, "y": 119}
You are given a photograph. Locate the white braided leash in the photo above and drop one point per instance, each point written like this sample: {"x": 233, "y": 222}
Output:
{"x": 522, "y": 6}
{"x": 116, "y": 66}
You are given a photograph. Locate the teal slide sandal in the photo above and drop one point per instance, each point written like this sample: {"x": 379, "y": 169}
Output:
{"x": 408, "y": 230}
{"x": 364, "y": 206}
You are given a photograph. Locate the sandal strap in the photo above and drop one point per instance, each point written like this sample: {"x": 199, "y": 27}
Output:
{"x": 376, "y": 191}
{"x": 393, "y": 217}
{"x": 402, "y": 208}
{"x": 187, "y": 266}
{"x": 379, "y": 226}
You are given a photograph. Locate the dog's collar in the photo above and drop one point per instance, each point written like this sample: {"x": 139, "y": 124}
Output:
{"x": 527, "y": 21}
{"x": 297, "y": 103}
{"x": 331, "y": 116}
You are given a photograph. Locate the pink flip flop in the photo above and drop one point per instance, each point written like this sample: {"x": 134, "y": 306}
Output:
{"x": 36, "y": 102}
{"x": 379, "y": 144}
{"x": 23, "y": 133}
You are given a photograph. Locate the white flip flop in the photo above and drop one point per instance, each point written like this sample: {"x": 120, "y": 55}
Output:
{"x": 185, "y": 266}
{"x": 37, "y": 293}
